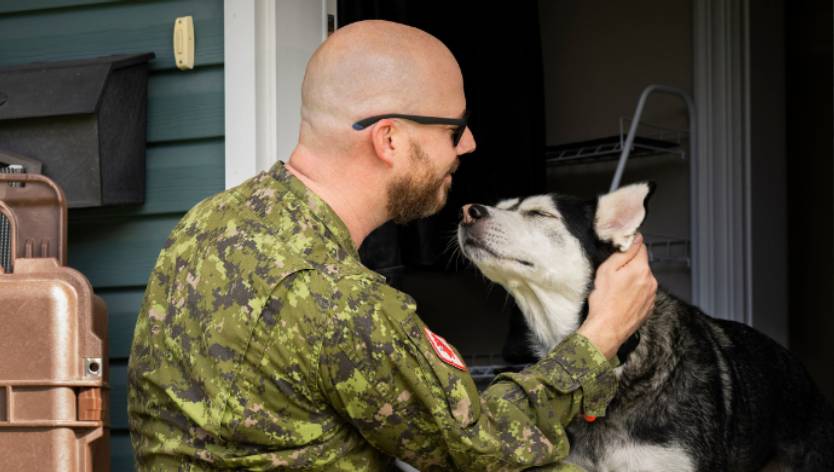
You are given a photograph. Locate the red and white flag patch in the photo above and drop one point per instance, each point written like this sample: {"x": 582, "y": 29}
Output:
{"x": 444, "y": 350}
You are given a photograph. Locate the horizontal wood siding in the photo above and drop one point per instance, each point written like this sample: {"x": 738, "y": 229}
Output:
{"x": 111, "y": 28}
{"x": 185, "y": 105}
{"x": 12, "y": 6}
{"x": 116, "y": 248}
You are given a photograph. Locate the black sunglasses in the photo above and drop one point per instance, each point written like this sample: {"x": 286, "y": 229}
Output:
{"x": 457, "y": 133}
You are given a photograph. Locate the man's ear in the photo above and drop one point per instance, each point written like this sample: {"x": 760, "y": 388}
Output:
{"x": 621, "y": 212}
{"x": 385, "y": 139}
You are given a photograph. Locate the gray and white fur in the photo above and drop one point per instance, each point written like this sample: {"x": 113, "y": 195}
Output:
{"x": 696, "y": 393}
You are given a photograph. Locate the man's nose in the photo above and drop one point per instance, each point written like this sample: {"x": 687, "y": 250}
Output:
{"x": 467, "y": 142}
{"x": 472, "y": 212}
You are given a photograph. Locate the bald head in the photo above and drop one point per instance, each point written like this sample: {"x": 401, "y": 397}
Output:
{"x": 375, "y": 67}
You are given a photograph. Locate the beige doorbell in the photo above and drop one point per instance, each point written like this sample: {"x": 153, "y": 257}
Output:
{"x": 184, "y": 42}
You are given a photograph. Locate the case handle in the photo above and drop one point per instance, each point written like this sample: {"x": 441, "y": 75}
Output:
{"x": 8, "y": 241}
{"x": 37, "y": 215}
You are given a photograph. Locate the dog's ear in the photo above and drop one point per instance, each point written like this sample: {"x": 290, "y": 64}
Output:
{"x": 621, "y": 212}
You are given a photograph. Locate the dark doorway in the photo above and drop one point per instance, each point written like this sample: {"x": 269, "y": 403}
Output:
{"x": 810, "y": 171}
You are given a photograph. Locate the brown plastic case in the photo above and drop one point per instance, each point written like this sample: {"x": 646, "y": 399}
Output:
{"x": 54, "y": 388}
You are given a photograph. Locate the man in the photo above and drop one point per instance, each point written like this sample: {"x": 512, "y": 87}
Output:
{"x": 263, "y": 342}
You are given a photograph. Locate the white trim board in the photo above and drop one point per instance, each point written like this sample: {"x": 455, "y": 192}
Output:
{"x": 720, "y": 179}
{"x": 267, "y": 45}
{"x": 740, "y": 225}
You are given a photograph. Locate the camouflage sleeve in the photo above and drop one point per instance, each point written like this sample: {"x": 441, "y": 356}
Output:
{"x": 577, "y": 377}
{"x": 382, "y": 372}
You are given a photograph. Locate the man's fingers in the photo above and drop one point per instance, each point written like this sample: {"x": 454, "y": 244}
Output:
{"x": 642, "y": 256}
{"x": 619, "y": 259}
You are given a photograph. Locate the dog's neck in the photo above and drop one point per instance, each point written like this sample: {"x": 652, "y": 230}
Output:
{"x": 551, "y": 315}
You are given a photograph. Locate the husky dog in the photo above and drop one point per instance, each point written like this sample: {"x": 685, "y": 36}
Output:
{"x": 695, "y": 393}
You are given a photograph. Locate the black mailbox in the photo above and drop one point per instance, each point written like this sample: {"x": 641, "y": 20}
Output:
{"x": 85, "y": 121}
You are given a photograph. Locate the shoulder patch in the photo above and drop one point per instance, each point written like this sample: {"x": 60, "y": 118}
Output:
{"x": 444, "y": 350}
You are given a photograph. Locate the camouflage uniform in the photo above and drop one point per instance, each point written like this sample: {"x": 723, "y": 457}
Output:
{"x": 264, "y": 343}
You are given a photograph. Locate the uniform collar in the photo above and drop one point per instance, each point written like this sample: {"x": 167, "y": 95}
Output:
{"x": 319, "y": 208}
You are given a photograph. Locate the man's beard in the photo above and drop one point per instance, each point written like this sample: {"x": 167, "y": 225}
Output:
{"x": 420, "y": 194}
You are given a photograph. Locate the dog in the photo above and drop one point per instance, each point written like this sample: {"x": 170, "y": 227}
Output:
{"x": 695, "y": 393}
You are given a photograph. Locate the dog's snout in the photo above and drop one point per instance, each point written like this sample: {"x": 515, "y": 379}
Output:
{"x": 472, "y": 212}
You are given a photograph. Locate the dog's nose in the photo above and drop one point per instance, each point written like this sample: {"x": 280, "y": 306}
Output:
{"x": 471, "y": 212}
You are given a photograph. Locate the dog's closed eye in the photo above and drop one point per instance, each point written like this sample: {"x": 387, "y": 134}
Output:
{"x": 540, "y": 214}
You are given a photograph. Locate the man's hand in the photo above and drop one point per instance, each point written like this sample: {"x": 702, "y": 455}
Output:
{"x": 623, "y": 296}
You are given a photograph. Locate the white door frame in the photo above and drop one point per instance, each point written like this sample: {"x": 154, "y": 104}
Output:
{"x": 267, "y": 44}
{"x": 721, "y": 250}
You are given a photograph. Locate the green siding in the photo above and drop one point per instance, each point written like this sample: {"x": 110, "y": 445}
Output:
{"x": 111, "y": 28}
{"x": 118, "y": 251}
{"x": 118, "y": 395}
{"x": 11, "y": 6}
{"x": 121, "y": 457}
{"x": 117, "y": 247}
{"x": 122, "y": 307}
{"x": 185, "y": 105}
